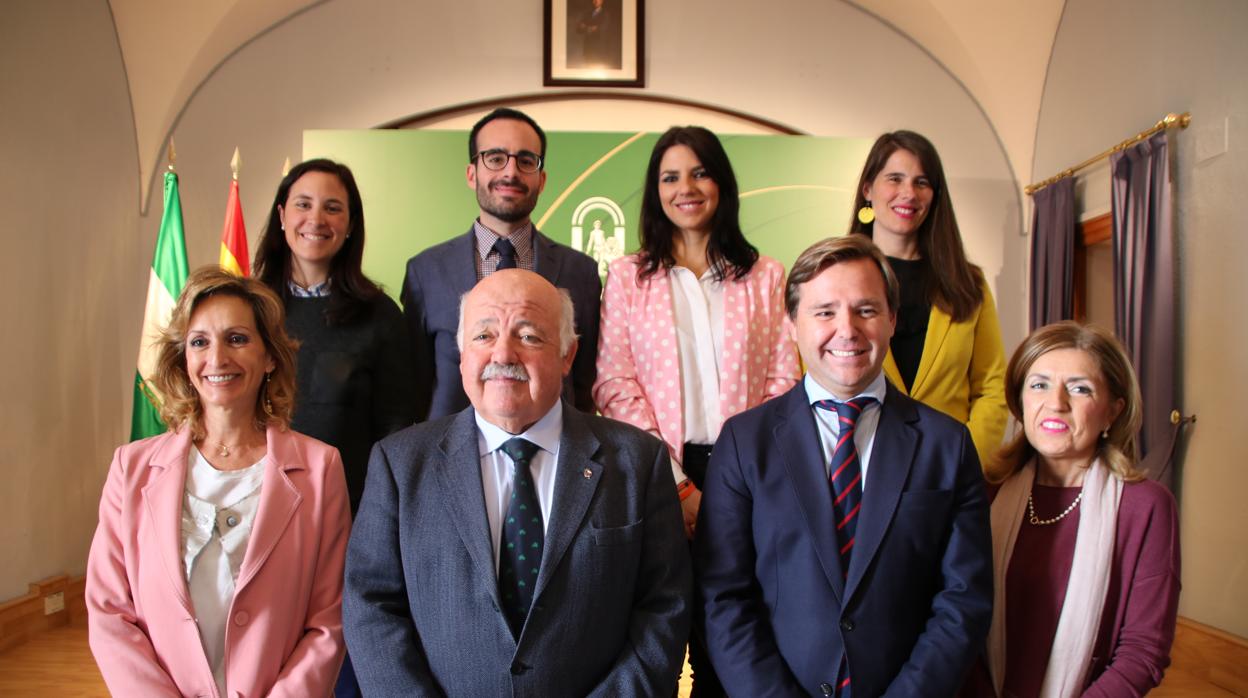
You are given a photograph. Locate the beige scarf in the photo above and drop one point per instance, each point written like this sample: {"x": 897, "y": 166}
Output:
{"x": 1071, "y": 655}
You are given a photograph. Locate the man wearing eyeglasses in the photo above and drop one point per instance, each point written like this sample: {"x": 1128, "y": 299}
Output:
{"x": 506, "y": 168}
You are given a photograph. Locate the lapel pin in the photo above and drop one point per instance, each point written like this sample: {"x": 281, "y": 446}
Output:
{"x": 587, "y": 473}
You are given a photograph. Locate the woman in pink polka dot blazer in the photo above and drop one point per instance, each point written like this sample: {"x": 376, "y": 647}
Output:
{"x": 692, "y": 328}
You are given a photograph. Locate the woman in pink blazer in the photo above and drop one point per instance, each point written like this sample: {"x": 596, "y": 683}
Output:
{"x": 692, "y": 324}
{"x": 217, "y": 565}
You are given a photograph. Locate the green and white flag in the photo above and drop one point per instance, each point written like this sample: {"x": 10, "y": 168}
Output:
{"x": 168, "y": 276}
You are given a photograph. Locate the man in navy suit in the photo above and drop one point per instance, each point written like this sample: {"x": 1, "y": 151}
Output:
{"x": 506, "y": 168}
{"x": 843, "y": 543}
{"x": 520, "y": 547}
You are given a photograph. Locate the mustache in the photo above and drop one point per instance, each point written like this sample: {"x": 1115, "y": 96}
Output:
{"x": 515, "y": 372}
{"x": 509, "y": 183}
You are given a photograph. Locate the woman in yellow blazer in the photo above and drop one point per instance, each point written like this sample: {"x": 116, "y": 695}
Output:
{"x": 946, "y": 351}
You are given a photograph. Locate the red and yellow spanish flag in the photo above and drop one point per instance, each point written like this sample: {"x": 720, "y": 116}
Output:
{"x": 234, "y": 257}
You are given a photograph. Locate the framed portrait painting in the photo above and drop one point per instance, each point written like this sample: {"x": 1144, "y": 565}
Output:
{"x": 593, "y": 43}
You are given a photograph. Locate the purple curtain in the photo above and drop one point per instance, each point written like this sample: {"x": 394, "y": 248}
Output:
{"x": 1145, "y": 287}
{"x": 1052, "y": 253}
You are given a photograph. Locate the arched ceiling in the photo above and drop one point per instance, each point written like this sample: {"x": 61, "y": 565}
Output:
{"x": 998, "y": 51}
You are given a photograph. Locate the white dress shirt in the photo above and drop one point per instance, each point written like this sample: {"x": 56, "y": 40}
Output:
{"x": 218, "y": 511}
{"x": 830, "y": 426}
{"x": 698, "y": 307}
{"x": 496, "y": 468}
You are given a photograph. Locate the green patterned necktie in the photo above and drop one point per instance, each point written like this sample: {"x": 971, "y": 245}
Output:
{"x": 520, "y": 554}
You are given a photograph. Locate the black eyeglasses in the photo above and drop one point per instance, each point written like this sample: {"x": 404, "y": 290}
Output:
{"x": 496, "y": 160}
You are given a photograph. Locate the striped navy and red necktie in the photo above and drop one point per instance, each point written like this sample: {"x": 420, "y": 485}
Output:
{"x": 845, "y": 476}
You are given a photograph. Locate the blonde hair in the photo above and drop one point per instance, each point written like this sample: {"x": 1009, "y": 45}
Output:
{"x": 180, "y": 405}
{"x": 1118, "y": 449}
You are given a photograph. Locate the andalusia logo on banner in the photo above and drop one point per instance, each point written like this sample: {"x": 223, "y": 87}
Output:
{"x": 794, "y": 190}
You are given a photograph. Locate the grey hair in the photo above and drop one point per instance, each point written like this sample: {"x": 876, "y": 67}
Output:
{"x": 567, "y": 322}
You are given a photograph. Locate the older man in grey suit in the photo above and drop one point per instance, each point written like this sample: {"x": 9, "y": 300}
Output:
{"x": 520, "y": 547}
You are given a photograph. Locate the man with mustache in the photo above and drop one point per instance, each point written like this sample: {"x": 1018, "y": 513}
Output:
{"x": 519, "y": 547}
{"x": 506, "y": 168}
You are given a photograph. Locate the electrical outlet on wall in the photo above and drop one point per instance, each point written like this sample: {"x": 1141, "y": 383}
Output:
{"x": 54, "y": 603}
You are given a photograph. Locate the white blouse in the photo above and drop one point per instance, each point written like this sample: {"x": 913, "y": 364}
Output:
{"x": 219, "y": 509}
{"x": 698, "y": 309}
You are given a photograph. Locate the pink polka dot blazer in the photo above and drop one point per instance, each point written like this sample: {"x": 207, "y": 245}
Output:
{"x": 639, "y": 378}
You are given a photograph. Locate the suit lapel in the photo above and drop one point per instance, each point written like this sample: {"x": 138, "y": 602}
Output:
{"x": 458, "y": 475}
{"x": 797, "y": 437}
{"x": 459, "y": 276}
{"x": 163, "y": 499}
{"x": 892, "y": 456}
{"x": 545, "y": 260}
{"x": 938, "y": 323}
{"x": 577, "y": 475}
{"x": 279, "y": 499}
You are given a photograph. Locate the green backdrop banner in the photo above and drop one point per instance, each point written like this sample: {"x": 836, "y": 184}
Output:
{"x": 794, "y": 190}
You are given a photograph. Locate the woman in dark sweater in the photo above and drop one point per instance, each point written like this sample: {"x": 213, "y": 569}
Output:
{"x": 354, "y": 382}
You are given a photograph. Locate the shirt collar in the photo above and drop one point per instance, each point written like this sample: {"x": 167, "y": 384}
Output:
{"x": 815, "y": 392}
{"x": 314, "y": 291}
{"x": 545, "y": 432}
{"x": 521, "y": 238}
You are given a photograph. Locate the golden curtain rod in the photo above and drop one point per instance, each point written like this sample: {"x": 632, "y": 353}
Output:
{"x": 1180, "y": 120}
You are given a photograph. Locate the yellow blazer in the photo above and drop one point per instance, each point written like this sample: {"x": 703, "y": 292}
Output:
{"x": 962, "y": 373}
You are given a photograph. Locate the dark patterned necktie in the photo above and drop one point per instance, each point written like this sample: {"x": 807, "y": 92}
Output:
{"x": 506, "y": 254}
{"x": 520, "y": 549}
{"x": 845, "y": 475}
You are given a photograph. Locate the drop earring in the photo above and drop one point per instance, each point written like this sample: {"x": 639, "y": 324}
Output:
{"x": 866, "y": 214}
{"x": 268, "y": 404}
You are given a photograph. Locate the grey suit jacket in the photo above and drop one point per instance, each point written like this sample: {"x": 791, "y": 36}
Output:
{"x": 435, "y": 280}
{"x": 611, "y": 610}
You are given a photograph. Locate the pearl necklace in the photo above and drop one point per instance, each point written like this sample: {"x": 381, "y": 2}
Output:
{"x": 1037, "y": 521}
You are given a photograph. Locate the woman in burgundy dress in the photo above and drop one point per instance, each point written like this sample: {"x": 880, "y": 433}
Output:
{"x": 1085, "y": 550}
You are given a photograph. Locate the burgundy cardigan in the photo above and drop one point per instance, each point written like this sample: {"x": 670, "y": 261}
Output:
{"x": 1132, "y": 646}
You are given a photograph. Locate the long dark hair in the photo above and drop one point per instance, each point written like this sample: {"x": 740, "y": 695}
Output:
{"x": 953, "y": 283}
{"x": 728, "y": 252}
{"x": 350, "y": 292}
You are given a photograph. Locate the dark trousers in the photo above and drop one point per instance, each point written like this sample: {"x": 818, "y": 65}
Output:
{"x": 695, "y": 459}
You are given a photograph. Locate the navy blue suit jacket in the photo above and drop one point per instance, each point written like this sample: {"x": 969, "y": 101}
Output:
{"x": 916, "y": 604}
{"x": 435, "y": 280}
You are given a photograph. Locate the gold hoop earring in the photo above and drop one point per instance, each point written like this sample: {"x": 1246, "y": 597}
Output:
{"x": 866, "y": 214}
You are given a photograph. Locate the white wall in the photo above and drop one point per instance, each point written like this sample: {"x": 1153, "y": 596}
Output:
{"x": 73, "y": 279}
{"x": 821, "y": 66}
{"x": 1118, "y": 66}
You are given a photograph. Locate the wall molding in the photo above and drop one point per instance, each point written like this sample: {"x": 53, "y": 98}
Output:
{"x": 23, "y": 617}
{"x": 1212, "y": 655}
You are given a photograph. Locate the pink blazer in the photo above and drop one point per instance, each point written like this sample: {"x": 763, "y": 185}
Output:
{"x": 638, "y": 365}
{"x": 285, "y": 637}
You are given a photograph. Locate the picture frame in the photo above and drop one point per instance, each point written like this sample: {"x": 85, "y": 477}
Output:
{"x": 593, "y": 43}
